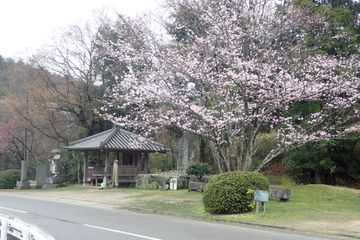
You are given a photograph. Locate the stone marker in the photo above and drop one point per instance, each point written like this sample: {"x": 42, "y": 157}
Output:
{"x": 196, "y": 186}
{"x": 282, "y": 194}
{"x": 42, "y": 173}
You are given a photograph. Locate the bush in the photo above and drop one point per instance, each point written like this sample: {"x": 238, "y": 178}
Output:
{"x": 8, "y": 178}
{"x": 198, "y": 169}
{"x": 70, "y": 167}
{"x": 232, "y": 192}
{"x": 335, "y": 162}
{"x": 161, "y": 162}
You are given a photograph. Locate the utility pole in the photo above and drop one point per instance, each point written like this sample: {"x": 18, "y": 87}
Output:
{"x": 24, "y": 183}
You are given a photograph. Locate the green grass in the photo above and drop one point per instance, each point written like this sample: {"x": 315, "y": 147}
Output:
{"x": 313, "y": 202}
{"x": 281, "y": 180}
{"x": 313, "y": 208}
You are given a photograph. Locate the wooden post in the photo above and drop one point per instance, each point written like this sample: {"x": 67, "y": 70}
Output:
{"x": 120, "y": 163}
{"x": 265, "y": 204}
{"x": 146, "y": 164}
{"x": 106, "y": 163}
{"x": 85, "y": 167}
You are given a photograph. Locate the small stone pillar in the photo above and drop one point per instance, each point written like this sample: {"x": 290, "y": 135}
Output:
{"x": 42, "y": 173}
{"x": 115, "y": 175}
{"x": 173, "y": 184}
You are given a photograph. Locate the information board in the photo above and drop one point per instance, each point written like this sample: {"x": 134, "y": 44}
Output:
{"x": 261, "y": 196}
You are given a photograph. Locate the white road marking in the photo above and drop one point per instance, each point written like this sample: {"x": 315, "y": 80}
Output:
{"x": 121, "y": 232}
{"x": 14, "y": 210}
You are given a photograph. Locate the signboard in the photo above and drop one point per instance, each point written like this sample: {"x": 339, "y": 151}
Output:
{"x": 261, "y": 196}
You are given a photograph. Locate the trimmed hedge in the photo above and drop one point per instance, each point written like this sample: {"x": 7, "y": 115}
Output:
{"x": 232, "y": 192}
{"x": 198, "y": 169}
{"x": 8, "y": 178}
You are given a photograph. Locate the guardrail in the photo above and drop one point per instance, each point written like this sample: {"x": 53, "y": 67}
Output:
{"x": 15, "y": 228}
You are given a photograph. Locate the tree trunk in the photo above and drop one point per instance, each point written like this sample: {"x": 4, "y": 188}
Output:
{"x": 273, "y": 154}
{"x": 216, "y": 156}
{"x": 317, "y": 176}
{"x": 187, "y": 149}
{"x": 78, "y": 171}
{"x": 239, "y": 156}
{"x": 317, "y": 170}
{"x": 202, "y": 150}
{"x": 250, "y": 150}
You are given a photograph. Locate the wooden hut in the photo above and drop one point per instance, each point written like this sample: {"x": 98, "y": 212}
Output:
{"x": 131, "y": 151}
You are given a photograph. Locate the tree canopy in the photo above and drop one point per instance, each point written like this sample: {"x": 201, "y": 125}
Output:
{"x": 243, "y": 74}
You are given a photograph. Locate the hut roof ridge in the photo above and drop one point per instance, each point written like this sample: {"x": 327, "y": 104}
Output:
{"x": 91, "y": 137}
{"x": 114, "y": 130}
{"x": 117, "y": 139}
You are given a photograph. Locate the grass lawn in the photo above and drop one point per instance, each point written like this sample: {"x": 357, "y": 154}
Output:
{"x": 312, "y": 208}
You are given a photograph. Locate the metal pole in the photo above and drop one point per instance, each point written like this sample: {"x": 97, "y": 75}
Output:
{"x": 4, "y": 228}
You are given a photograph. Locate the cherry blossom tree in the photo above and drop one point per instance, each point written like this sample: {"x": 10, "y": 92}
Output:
{"x": 13, "y": 139}
{"x": 244, "y": 74}
{"x": 6, "y": 130}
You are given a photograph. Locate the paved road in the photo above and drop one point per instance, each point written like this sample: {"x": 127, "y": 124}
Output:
{"x": 70, "y": 222}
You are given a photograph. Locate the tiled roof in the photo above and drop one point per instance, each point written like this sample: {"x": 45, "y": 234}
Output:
{"x": 117, "y": 139}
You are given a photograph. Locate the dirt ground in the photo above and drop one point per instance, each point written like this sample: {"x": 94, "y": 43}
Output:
{"x": 348, "y": 228}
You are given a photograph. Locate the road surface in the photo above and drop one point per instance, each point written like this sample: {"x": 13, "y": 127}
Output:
{"x": 70, "y": 222}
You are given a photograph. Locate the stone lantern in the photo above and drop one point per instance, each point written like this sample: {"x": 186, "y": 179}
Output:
{"x": 53, "y": 168}
{"x": 54, "y": 160}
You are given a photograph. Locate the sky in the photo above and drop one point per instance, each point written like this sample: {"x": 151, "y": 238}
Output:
{"x": 26, "y": 25}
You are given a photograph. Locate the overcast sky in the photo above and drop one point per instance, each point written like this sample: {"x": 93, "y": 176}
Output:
{"x": 25, "y": 25}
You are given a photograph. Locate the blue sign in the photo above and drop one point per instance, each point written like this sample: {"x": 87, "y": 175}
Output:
{"x": 261, "y": 196}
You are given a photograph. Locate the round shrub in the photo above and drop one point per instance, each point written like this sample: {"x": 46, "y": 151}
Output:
{"x": 8, "y": 178}
{"x": 232, "y": 192}
{"x": 198, "y": 169}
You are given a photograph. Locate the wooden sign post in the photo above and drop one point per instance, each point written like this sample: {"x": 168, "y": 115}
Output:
{"x": 262, "y": 197}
